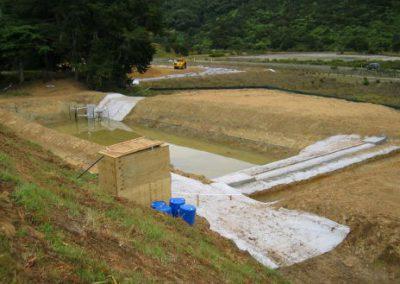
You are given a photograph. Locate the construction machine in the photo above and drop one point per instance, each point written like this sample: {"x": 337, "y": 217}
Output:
{"x": 180, "y": 63}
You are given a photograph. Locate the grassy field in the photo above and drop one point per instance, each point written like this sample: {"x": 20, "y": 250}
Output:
{"x": 57, "y": 228}
{"x": 395, "y": 65}
{"x": 352, "y": 88}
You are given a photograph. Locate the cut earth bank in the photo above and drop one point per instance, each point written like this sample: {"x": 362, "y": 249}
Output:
{"x": 47, "y": 102}
{"x": 267, "y": 121}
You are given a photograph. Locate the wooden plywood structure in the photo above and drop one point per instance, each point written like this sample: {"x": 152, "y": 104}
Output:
{"x": 137, "y": 169}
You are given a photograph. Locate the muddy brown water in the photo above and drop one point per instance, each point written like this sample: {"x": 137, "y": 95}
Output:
{"x": 190, "y": 155}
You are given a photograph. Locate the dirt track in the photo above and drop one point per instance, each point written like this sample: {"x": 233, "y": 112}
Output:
{"x": 163, "y": 70}
{"x": 365, "y": 198}
{"x": 269, "y": 121}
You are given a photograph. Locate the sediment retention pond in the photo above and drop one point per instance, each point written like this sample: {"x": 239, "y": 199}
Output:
{"x": 189, "y": 155}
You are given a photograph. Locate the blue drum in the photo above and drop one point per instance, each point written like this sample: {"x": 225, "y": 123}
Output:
{"x": 156, "y": 204}
{"x": 175, "y": 204}
{"x": 164, "y": 209}
{"x": 188, "y": 213}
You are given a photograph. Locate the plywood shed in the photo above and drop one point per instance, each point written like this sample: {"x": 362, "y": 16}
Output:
{"x": 137, "y": 169}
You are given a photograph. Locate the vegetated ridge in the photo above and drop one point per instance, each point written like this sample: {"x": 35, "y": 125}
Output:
{"x": 363, "y": 26}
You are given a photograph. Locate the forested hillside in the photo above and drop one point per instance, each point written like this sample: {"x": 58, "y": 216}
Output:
{"x": 99, "y": 40}
{"x": 302, "y": 25}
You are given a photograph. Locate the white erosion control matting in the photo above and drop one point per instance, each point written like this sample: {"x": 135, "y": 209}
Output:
{"x": 323, "y": 157}
{"x": 116, "y": 106}
{"x": 208, "y": 71}
{"x": 274, "y": 237}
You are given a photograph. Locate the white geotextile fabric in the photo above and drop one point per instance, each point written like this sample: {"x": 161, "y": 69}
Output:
{"x": 208, "y": 71}
{"x": 274, "y": 237}
{"x": 117, "y": 106}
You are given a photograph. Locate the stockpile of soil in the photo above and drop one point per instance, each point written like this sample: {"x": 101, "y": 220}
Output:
{"x": 365, "y": 198}
{"x": 265, "y": 120}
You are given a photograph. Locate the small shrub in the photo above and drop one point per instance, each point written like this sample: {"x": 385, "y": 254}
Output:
{"x": 217, "y": 54}
{"x": 365, "y": 81}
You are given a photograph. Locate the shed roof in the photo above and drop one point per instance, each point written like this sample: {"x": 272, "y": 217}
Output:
{"x": 129, "y": 147}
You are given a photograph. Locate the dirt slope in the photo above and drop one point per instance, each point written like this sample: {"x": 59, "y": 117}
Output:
{"x": 75, "y": 151}
{"x": 54, "y": 228}
{"x": 367, "y": 199}
{"x": 47, "y": 101}
{"x": 270, "y": 121}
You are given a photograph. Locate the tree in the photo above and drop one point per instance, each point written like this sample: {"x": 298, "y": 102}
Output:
{"x": 396, "y": 42}
{"x": 101, "y": 39}
{"x": 18, "y": 43}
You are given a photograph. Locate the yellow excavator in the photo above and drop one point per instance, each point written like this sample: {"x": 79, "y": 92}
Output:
{"x": 180, "y": 63}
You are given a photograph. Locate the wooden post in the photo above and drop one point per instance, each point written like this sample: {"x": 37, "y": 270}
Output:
{"x": 197, "y": 200}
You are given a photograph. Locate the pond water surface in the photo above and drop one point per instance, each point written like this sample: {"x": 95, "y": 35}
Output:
{"x": 190, "y": 155}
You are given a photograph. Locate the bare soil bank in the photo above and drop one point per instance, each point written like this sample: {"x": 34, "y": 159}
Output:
{"x": 75, "y": 151}
{"x": 365, "y": 198}
{"x": 269, "y": 121}
{"x": 47, "y": 101}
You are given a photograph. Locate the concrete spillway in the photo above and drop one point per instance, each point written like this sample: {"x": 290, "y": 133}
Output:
{"x": 117, "y": 106}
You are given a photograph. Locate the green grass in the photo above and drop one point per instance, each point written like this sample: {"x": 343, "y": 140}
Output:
{"x": 6, "y": 176}
{"x": 41, "y": 201}
{"x": 5, "y": 160}
{"x": 7, "y": 262}
{"x": 7, "y": 170}
{"x": 35, "y": 199}
{"x": 88, "y": 269}
{"x": 385, "y": 64}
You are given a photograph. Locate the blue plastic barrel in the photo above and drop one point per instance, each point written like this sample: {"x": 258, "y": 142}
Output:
{"x": 188, "y": 213}
{"x": 156, "y": 204}
{"x": 165, "y": 209}
{"x": 175, "y": 204}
